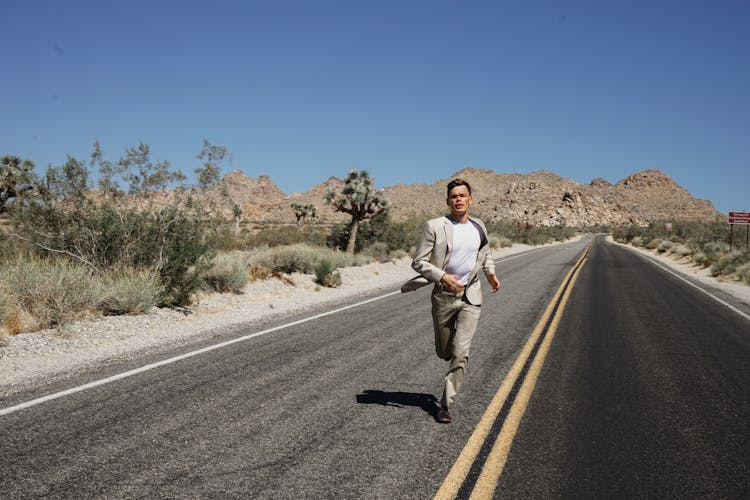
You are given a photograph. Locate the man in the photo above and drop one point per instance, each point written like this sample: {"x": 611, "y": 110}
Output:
{"x": 452, "y": 251}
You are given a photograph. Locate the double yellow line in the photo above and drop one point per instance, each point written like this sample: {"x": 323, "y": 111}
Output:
{"x": 493, "y": 466}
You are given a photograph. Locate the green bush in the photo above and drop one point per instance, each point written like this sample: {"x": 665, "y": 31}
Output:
{"x": 327, "y": 275}
{"x": 228, "y": 272}
{"x": 128, "y": 291}
{"x": 170, "y": 242}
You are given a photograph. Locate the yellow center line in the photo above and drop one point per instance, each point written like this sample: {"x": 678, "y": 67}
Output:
{"x": 495, "y": 463}
{"x": 455, "y": 478}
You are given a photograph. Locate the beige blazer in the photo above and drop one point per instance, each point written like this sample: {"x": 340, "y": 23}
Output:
{"x": 434, "y": 250}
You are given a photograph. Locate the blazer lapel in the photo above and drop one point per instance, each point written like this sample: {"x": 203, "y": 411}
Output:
{"x": 448, "y": 227}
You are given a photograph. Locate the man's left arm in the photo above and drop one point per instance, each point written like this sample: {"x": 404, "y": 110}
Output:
{"x": 488, "y": 266}
{"x": 489, "y": 272}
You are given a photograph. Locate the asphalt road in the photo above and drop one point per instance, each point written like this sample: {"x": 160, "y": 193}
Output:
{"x": 644, "y": 393}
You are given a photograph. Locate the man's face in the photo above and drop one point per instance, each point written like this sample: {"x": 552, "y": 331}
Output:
{"x": 459, "y": 200}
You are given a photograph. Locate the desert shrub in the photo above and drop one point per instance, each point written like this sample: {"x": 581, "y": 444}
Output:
{"x": 221, "y": 237}
{"x": 343, "y": 259}
{"x": 288, "y": 259}
{"x": 302, "y": 258}
{"x": 690, "y": 232}
{"x": 49, "y": 291}
{"x": 637, "y": 241}
{"x": 497, "y": 241}
{"x": 701, "y": 259}
{"x": 743, "y": 273}
{"x": 5, "y": 305}
{"x": 647, "y": 241}
{"x": 399, "y": 254}
{"x": 286, "y": 235}
{"x": 682, "y": 250}
{"x": 170, "y": 242}
{"x": 257, "y": 272}
{"x": 530, "y": 235}
{"x": 713, "y": 248}
{"x": 378, "y": 251}
{"x": 730, "y": 262}
{"x": 537, "y": 238}
{"x": 228, "y": 272}
{"x": 395, "y": 235}
{"x": 327, "y": 275}
{"x": 653, "y": 244}
{"x": 664, "y": 246}
{"x": 128, "y": 291}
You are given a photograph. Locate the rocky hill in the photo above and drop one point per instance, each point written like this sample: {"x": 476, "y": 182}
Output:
{"x": 538, "y": 198}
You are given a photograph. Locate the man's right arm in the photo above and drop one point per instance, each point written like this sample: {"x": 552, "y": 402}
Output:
{"x": 421, "y": 262}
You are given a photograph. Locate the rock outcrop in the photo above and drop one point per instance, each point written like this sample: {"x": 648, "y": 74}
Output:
{"x": 539, "y": 198}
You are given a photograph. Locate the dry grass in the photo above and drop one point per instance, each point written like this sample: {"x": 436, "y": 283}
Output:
{"x": 128, "y": 291}
{"x": 50, "y": 291}
{"x": 228, "y": 272}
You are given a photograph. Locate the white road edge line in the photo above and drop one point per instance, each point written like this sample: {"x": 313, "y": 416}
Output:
{"x": 145, "y": 368}
{"x": 659, "y": 265}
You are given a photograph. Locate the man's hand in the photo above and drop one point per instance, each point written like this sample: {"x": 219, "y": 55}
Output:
{"x": 494, "y": 282}
{"x": 452, "y": 283}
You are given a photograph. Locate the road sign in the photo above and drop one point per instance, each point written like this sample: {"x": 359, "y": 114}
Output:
{"x": 739, "y": 217}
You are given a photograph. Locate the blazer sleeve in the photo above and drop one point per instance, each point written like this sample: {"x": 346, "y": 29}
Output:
{"x": 422, "y": 257}
{"x": 488, "y": 264}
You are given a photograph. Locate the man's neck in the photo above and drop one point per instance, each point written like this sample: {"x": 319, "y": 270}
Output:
{"x": 460, "y": 219}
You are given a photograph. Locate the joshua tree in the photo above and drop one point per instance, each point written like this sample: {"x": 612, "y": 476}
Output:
{"x": 303, "y": 211}
{"x": 358, "y": 198}
{"x": 16, "y": 176}
{"x": 237, "y": 214}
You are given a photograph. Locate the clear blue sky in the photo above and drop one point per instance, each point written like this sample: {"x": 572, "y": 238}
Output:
{"x": 410, "y": 90}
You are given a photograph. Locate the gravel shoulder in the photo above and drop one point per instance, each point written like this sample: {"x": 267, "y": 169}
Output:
{"x": 30, "y": 359}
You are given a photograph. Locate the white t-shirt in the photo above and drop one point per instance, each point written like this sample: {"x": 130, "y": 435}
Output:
{"x": 466, "y": 242}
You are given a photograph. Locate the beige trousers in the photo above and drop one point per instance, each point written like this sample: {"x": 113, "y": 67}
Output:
{"x": 455, "y": 322}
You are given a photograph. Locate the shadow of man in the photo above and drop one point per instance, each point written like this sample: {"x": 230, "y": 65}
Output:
{"x": 427, "y": 402}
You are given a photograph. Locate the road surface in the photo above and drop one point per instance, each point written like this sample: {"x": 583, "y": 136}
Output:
{"x": 622, "y": 381}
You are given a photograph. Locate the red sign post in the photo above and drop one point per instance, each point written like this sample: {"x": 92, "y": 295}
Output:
{"x": 742, "y": 218}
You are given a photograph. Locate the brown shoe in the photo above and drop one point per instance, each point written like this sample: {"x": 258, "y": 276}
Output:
{"x": 443, "y": 416}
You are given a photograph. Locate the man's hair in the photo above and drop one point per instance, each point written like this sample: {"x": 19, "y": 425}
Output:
{"x": 458, "y": 182}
